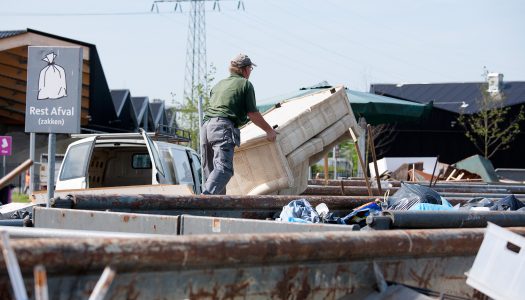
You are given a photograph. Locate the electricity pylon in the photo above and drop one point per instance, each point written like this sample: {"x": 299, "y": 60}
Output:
{"x": 196, "y": 65}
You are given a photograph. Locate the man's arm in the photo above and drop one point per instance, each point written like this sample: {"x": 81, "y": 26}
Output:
{"x": 259, "y": 120}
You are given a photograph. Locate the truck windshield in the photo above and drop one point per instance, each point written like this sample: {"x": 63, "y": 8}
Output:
{"x": 75, "y": 163}
{"x": 182, "y": 166}
{"x": 154, "y": 154}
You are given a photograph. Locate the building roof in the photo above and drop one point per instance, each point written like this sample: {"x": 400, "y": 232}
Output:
{"x": 450, "y": 96}
{"x": 120, "y": 97}
{"x": 9, "y": 33}
{"x": 140, "y": 107}
{"x": 157, "y": 111}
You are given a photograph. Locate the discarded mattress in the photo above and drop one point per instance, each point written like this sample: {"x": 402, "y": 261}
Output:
{"x": 307, "y": 127}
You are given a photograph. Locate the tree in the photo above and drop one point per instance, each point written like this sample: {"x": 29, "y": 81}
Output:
{"x": 383, "y": 135}
{"x": 347, "y": 151}
{"x": 187, "y": 112}
{"x": 493, "y": 128}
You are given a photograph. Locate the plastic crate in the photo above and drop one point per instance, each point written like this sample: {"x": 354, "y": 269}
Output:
{"x": 499, "y": 268}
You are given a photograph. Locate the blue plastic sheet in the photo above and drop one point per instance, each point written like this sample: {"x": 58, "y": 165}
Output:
{"x": 445, "y": 205}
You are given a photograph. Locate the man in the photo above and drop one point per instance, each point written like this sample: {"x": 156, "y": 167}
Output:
{"x": 232, "y": 102}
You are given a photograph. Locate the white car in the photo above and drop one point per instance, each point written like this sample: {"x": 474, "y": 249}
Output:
{"x": 112, "y": 160}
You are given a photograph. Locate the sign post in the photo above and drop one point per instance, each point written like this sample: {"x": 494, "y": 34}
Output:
{"x": 54, "y": 85}
{"x": 6, "y": 144}
{"x": 32, "y": 140}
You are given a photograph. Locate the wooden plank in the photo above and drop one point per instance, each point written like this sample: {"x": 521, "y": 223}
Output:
{"x": 15, "y": 116}
{"x": 85, "y": 92}
{"x": 20, "y": 51}
{"x": 13, "y": 60}
{"x": 19, "y": 97}
{"x": 13, "y": 84}
{"x": 84, "y": 103}
{"x": 12, "y": 104}
{"x": 85, "y": 79}
{"x": 13, "y": 72}
{"x": 33, "y": 39}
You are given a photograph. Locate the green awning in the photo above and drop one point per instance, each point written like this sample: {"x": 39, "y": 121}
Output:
{"x": 378, "y": 109}
{"x": 375, "y": 109}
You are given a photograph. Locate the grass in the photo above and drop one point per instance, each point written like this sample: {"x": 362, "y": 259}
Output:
{"x": 20, "y": 197}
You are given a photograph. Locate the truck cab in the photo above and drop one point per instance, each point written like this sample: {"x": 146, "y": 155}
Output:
{"x": 125, "y": 159}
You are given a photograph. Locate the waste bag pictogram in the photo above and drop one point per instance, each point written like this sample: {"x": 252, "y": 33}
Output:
{"x": 52, "y": 80}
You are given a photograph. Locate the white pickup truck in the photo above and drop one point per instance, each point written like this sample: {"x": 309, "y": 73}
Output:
{"x": 115, "y": 160}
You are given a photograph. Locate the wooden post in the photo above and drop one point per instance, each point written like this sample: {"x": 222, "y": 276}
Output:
{"x": 361, "y": 162}
{"x": 326, "y": 169}
{"x": 20, "y": 169}
{"x": 373, "y": 149}
{"x": 434, "y": 171}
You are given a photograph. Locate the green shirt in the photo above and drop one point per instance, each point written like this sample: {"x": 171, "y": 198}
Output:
{"x": 232, "y": 98}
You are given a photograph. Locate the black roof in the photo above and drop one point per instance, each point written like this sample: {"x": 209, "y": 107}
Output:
{"x": 451, "y": 95}
{"x": 140, "y": 106}
{"x": 119, "y": 98}
{"x": 10, "y": 33}
{"x": 156, "y": 109}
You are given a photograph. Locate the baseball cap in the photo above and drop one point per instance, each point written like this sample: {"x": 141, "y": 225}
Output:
{"x": 241, "y": 61}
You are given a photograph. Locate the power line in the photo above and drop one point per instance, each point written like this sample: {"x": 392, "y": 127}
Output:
{"x": 131, "y": 13}
{"x": 337, "y": 62}
{"x": 263, "y": 50}
{"x": 88, "y": 14}
{"x": 196, "y": 66}
{"x": 385, "y": 54}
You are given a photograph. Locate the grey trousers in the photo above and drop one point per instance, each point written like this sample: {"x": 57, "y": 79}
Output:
{"x": 218, "y": 139}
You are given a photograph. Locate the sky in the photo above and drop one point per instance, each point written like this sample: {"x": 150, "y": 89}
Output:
{"x": 295, "y": 43}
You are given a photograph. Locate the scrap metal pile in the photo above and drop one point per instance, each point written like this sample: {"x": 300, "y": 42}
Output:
{"x": 231, "y": 247}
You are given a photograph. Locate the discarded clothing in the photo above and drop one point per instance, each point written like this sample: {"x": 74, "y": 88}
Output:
{"x": 359, "y": 214}
{"x": 508, "y": 203}
{"x": 411, "y": 194}
{"x": 478, "y": 202}
{"x": 299, "y": 209}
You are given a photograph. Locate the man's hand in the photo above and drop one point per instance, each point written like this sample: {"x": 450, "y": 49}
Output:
{"x": 271, "y": 135}
{"x": 258, "y": 120}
